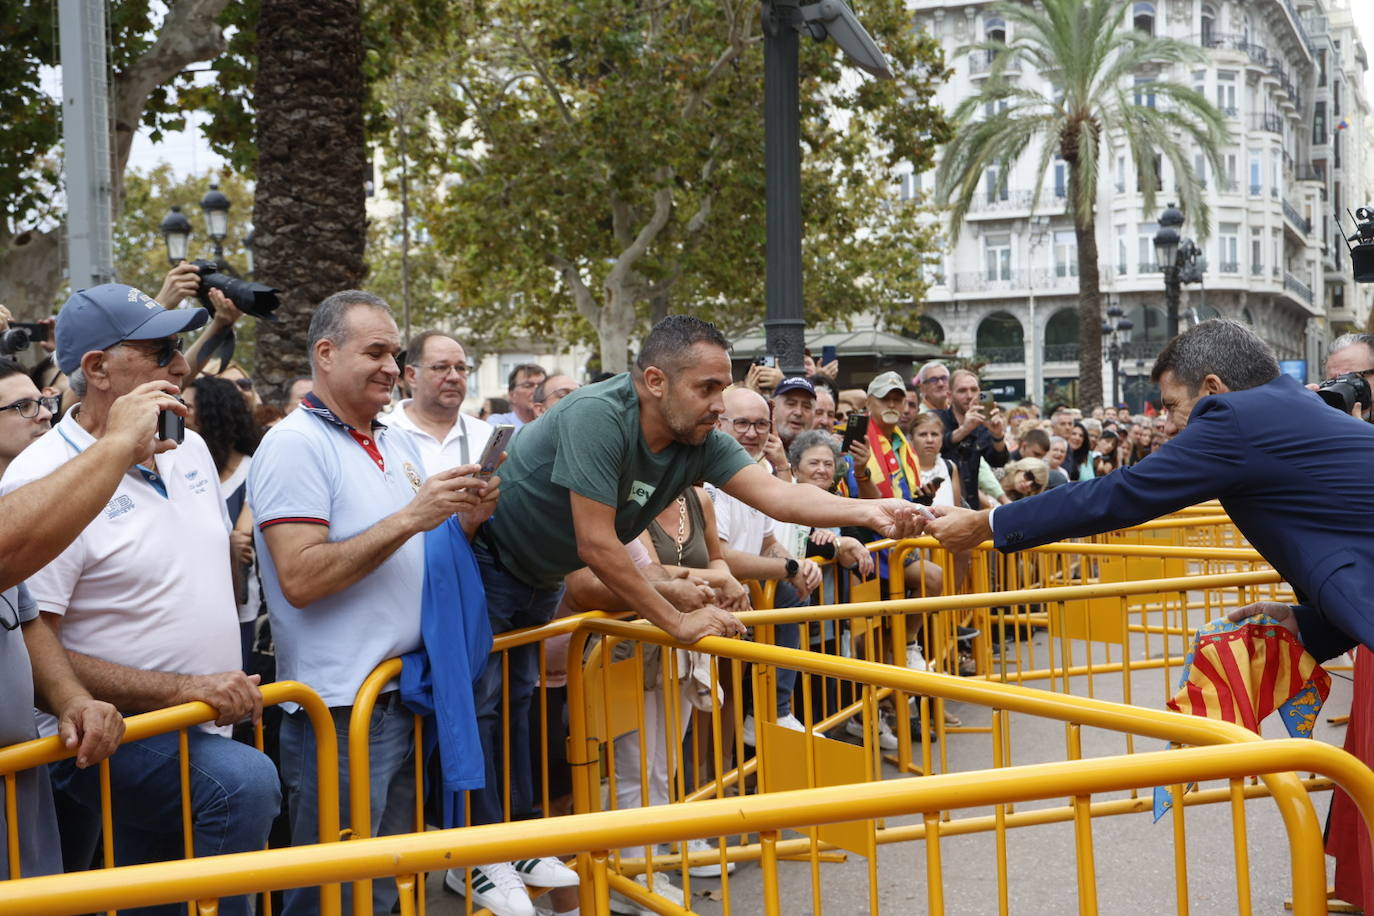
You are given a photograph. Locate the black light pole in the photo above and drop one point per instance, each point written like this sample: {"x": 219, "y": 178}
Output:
{"x": 1117, "y": 331}
{"x": 176, "y": 234}
{"x": 784, "y": 326}
{"x": 216, "y": 208}
{"x": 783, "y": 21}
{"x": 1166, "y": 245}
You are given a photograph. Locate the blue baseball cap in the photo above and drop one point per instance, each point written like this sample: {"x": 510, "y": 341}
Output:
{"x": 102, "y": 316}
{"x": 795, "y": 383}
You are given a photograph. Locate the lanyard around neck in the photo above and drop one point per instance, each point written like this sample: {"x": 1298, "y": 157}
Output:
{"x": 154, "y": 479}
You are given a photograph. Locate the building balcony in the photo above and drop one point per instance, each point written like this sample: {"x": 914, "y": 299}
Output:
{"x": 1006, "y": 201}
{"x": 1298, "y": 288}
{"x": 980, "y": 61}
{"x": 1060, "y": 353}
{"x": 1000, "y": 355}
{"x": 1228, "y": 267}
{"x": 1271, "y": 122}
{"x": 1291, "y": 213}
{"x": 1256, "y": 270}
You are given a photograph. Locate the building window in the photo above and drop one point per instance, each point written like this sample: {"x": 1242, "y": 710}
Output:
{"x": 1121, "y": 255}
{"x": 1145, "y": 251}
{"x": 1226, "y": 93}
{"x": 1256, "y": 176}
{"x": 997, "y": 257}
{"x": 1231, "y": 165}
{"x": 1228, "y": 248}
{"x": 1001, "y": 339}
{"x": 1321, "y": 67}
{"x": 996, "y": 184}
{"x": 1065, "y": 254}
{"x": 1145, "y": 91}
{"x": 1151, "y": 172}
{"x": 1209, "y": 26}
{"x": 1319, "y": 124}
{"x": 1200, "y": 168}
{"x": 1121, "y": 174}
{"x": 994, "y": 29}
{"x": 1061, "y": 179}
{"x": 1144, "y": 20}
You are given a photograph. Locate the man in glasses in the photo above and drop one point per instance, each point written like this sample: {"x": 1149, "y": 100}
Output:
{"x": 933, "y": 380}
{"x": 436, "y": 373}
{"x": 25, "y": 414}
{"x": 552, "y": 390}
{"x": 520, "y": 386}
{"x": 143, "y": 599}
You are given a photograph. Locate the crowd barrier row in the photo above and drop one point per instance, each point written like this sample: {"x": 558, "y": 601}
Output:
{"x": 1102, "y": 602}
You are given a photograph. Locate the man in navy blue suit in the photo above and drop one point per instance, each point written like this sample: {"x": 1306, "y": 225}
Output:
{"x": 1288, "y": 469}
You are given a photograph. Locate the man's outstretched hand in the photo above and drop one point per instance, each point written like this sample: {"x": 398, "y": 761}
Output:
{"x": 959, "y": 529}
{"x": 895, "y": 518}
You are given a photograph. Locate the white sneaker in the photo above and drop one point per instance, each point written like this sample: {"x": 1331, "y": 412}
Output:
{"x": 662, "y": 887}
{"x": 747, "y": 732}
{"x": 788, "y": 721}
{"x": 708, "y": 869}
{"x": 496, "y": 887}
{"x": 545, "y": 872}
{"x": 887, "y": 740}
{"x": 915, "y": 661}
{"x": 791, "y": 723}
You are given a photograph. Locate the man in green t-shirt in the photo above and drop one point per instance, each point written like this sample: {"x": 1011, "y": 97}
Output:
{"x": 587, "y": 477}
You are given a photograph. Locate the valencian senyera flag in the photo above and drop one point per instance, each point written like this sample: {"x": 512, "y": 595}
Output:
{"x": 1241, "y": 672}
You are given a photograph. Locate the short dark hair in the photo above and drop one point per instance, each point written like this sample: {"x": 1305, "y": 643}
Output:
{"x": 9, "y": 367}
{"x": 667, "y": 344}
{"x": 328, "y": 320}
{"x": 1036, "y": 437}
{"x": 416, "y": 348}
{"x": 527, "y": 368}
{"x": 1221, "y": 347}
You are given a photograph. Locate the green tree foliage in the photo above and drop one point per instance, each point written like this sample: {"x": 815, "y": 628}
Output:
{"x": 599, "y": 162}
{"x": 1090, "y": 54}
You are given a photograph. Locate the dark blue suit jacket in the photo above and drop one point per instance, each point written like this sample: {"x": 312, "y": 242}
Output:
{"x": 1292, "y": 473}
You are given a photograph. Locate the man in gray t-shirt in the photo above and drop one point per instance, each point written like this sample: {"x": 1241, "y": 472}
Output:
{"x": 40, "y": 852}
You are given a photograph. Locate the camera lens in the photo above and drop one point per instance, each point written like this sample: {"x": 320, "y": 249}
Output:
{"x": 14, "y": 340}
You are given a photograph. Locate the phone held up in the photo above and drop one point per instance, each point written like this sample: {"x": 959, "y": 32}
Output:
{"x": 767, "y": 360}
{"x": 171, "y": 426}
{"x": 491, "y": 455}
{"x": 828, "y": 354}
{"x": 855, "y": 427}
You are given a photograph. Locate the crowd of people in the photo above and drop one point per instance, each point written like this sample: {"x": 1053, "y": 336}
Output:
{"x": 346, "y": 527}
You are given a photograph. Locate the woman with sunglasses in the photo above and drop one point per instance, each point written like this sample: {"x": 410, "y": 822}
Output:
{"x": 25, "y": 414}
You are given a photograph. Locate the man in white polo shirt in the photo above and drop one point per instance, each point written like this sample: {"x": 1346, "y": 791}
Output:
{"x": 339, "y": 499}
{"x": 143, "y": 600}
{"x": 437, "y": 374}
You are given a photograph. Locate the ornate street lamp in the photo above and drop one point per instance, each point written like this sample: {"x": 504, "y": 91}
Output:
{"x": 176, "y": 234}
{"x": 1116, "y": 330}
{"x": 1167, "y": 245}
{"x": 216, "y": 208}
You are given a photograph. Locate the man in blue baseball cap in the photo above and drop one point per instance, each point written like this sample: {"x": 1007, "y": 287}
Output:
{"x": 143, "y": 599}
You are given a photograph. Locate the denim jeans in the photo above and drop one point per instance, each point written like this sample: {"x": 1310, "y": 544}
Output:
{"x": 391, "y": 771}
{"x": 235, "y": 795}
{"x": 511, "y": 604}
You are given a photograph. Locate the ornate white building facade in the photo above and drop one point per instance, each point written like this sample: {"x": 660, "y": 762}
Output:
{"x": 1289, "y": 76}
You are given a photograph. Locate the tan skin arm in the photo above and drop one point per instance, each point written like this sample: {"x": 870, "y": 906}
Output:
{"x": 731, "y": 594}
{"x": 90, "y": 726}
{"x": 815, "y": 508}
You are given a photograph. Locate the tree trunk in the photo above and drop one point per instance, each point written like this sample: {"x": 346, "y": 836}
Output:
{"x": 1089, "y": 304}
{"x": 308, "y": 215}
{"x": 614, "y": 326}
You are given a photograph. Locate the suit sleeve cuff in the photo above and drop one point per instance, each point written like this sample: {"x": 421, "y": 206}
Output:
{"x": 991, "y": 513}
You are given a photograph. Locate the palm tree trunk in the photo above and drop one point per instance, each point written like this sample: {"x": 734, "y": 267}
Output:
{"x": 310, "y": 224}
{"x": 1089, "y": 301}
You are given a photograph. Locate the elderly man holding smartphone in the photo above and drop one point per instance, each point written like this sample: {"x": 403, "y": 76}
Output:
{"x": 975, "y": 431}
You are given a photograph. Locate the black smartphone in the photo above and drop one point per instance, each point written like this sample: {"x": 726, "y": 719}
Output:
{"x": 855, "y": 427}
{"x": 491, "y": 455}
{"x": 171, "y": 425}
{"x": 828, "y": 354}
{"x": 37, "y": 331}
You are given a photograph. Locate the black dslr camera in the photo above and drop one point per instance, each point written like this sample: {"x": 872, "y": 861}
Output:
{"x": 1345, "y": 391}
{"x": 256, "y": 299}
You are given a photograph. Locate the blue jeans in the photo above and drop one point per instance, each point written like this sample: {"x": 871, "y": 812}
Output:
{"x": 511, "y": 605}
{"x": 235, "y": 795}
{"x": 391, "y": 772}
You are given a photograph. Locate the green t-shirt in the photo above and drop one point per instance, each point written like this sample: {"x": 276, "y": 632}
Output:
{"x": 590, "y": 443}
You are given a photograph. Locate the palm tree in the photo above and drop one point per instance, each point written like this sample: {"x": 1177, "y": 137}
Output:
{"x": 1090, "y": 54}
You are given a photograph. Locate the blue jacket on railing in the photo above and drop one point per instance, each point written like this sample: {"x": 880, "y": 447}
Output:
{"x": 436, "y": 680}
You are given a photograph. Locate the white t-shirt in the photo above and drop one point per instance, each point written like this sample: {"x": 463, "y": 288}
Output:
{"x": 739, "y": 524}
{"x": 463, "y": 444}
{"x": 147, "y": 583}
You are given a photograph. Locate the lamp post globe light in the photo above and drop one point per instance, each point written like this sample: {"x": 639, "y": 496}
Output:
{"x": 176, "y": 234}
{"x": 216, "y": 208}
{"x": 1116, "y": 331}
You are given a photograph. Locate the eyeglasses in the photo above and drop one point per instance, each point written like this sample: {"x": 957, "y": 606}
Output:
{"x": 557, "y": 395}
{"x": 167, "y": 348}
{"x": 443, "y": 369}
{"x": 743, "y": 426}
{"x": 28, "y": 407}
{"x": 936, "y": 380}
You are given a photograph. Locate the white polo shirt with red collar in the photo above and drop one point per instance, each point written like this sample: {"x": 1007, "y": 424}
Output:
{"x": 313, "y": 468}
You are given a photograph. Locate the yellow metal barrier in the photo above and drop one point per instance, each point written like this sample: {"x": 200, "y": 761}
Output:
{"x": 18, "y": 757}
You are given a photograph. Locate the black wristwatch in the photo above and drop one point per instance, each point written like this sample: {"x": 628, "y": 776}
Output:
{"x": 791, "y": 566}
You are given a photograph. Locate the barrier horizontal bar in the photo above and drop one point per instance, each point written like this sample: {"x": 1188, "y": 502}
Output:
{"x": 242, "y": 873}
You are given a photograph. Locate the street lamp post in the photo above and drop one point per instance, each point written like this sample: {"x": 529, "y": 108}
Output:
{"x": 216, "y": 208}
{"x": 1166, "y": 245}
{"x": 176, "y": 235}
{"x": 783, "y": 21}
{"x": 1117, "y": 332}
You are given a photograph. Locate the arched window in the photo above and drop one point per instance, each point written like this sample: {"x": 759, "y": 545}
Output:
{"x": 929, "y": 330}
{"x": 1246, "y": 317}
{"x": 1144, "y": 17}
{"x": 994, "y": 29}
{"x": 1061, "y": 336}
{"x": 1000, "y": 339}
{"x": 1209, "y": 26}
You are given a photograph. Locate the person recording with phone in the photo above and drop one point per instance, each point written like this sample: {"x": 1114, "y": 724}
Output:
{"x": 975, "y": 430}
{"x": 143, "y": 599}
